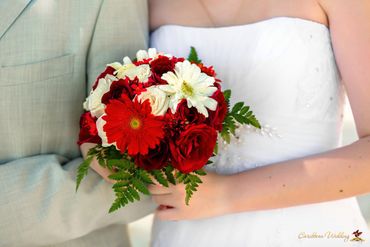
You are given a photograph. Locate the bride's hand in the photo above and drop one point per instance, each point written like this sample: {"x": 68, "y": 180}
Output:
{"x": 210, "y": 200}
{"x": 103, "y": 172}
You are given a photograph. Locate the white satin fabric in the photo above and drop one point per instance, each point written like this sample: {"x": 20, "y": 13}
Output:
{"x": 285, "y": 69}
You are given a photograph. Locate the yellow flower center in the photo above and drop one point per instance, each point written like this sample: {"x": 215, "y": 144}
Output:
{"x": 135, "y": 123}
{"x": 187, "y": 89}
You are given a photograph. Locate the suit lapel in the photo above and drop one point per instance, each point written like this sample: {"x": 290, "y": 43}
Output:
{"x": 9, "y": 11}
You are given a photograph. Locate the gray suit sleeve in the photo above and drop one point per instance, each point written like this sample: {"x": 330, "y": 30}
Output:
{"x": 39, "y": 205}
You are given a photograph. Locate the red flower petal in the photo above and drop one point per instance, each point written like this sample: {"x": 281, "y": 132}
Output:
{"x": 132, "y": 126}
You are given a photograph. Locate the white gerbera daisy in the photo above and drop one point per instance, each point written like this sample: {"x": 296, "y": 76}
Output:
{"x": 131, "y": 70}
{"x": 143, "y": 54}
{"x": 188, "y": 82}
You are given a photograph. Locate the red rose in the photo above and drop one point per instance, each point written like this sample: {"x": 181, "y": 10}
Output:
{"x": 190, "y": 115}
{"x": 156, "y": 79}
{"x": 88, "y": 131}
{"x": 216, "y": 118}
{"x": 176, "y": 123}
{"x": 108, "y": 71}
{"x": 156, "y": 158}
{"x": 193, "y": 148}
{"x": 162, "y": 65}
{"x": 117, "y": 88}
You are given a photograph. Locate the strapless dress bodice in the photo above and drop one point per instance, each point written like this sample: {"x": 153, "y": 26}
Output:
{"x": 285, "y": 69}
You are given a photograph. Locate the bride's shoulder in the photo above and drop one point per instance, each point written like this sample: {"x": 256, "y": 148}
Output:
{"x": 343, "y": 15}
{"x": 163, "y": 11}
{"x": 179, "y": 12}
{"x": 157, "y": 12}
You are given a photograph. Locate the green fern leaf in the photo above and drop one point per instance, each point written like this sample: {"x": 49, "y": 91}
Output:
{"x": 82, "y": 170}
{"x": 201, "y": 172}
{"x": 168, "y": 170}
{"x": 115, "y": 205}
{"x": 140, "y": 186}
{"x": 158, "y": 175}
{"x": 133, "y": 192}
{"x": 144, "y": 176}
{"x": 121, "y": 175}
{"x": 193, "y": 56}
{"x": 119, "y": 163}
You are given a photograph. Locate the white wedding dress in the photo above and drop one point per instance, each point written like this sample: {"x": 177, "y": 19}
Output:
{"x": 285, "y": 69}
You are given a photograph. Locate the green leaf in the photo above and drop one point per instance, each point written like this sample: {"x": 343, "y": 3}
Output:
{"x": 121, "y": 175}
{"x": 102, "y": 162}
{"x": 193, "y": 56}
{"x": 237, "y": 107}
{"x": 133, "y": 192}
{"x": 241, "y": 119}
{"x": 195, "y": 179}
{"x": 201, "y": 172}
{"x": 215, "y": 149}
{"x": 190, "y": 188}
{"x": 255, "y": 123}
{"x": 180, "y": 177}
{"x": 115, "y": 205}
{"x": 158, "y": 175}
{"x": 123, "y": 200}
{"x": 144, "y": 176}
{"x": 168, "y": 170}
{"x": 120, "y": 184}
{"x": 140, "y": 186}
{"x": 244, "y": 110}
{"x": 120, "y": 163}
{"x": 113, "y": 153}
{"x": 227, "y": 95}
{"x": 226, "y": 137}
{"x": 93, "y": 151}
{"x": 82, "y": 170}
{"x": 129, "y": 196}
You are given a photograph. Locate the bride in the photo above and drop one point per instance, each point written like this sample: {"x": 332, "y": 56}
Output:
{"x": 289, "y": 184}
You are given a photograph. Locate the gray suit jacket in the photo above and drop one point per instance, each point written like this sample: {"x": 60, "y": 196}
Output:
{"x": 50, "y": 53}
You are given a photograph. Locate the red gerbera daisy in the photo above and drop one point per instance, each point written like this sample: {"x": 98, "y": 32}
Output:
{"x": 131, "y": 126}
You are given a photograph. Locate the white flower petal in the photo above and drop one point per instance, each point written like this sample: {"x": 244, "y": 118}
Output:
{"x": 158, "y": 100}
{"x": 167, "y": 88}
{"x": 141, "y": 55}
{"x": 152, "y": 52}
{"x": 210, "y": 104}
{"x": 99, "y": 125}
{"x": 188, "y": 82}
{"x": 127, "y": 60}
{"x": 171, "y": 78}
{"x": 98, "y": 111}
{"x": 209, "y": 91}
{"x": 93, "y": 102}
{"x": 115, "y": 65}
{"x": 202, "y": 110}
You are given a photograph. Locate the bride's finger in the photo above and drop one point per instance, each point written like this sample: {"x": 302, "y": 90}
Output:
{"x": 165, "y": 213}
{"x": 166, "y": 199}
{"x": 104, "y": 172}
{"x": 155, "y": 189}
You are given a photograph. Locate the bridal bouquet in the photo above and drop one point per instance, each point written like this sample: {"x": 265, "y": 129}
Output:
{"x": 157, "y": 117}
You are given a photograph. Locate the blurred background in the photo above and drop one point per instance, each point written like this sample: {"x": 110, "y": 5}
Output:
{"x": 140, "y": 230}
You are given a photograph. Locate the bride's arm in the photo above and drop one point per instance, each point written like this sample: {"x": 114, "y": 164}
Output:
{"x": 333, "y": 175}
